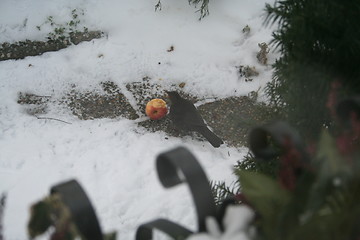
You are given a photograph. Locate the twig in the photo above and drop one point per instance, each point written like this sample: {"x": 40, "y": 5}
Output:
{"x": 48, "y": 118}
{"x": 40, "y": 96}
{"x": 158, "y": 6}
{"x": 2, "y": 206}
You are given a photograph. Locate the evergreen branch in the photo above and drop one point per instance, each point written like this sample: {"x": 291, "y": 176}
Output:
{"x": 204, "y": 9}
{"x": 249, "y": 163}
{"x": 221, "y": 191}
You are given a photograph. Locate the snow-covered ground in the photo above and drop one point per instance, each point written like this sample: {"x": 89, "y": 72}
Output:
{"x": 114, "y": 158}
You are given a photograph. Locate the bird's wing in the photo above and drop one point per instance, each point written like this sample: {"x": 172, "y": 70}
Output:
{"x": 194, "y": 118}
{"x": 188, "y": 114}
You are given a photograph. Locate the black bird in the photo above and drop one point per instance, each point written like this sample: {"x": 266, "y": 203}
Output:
{"x": 185, "y": 116}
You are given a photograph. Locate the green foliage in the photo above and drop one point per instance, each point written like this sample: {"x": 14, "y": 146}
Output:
{"x": 204, "y": 9}
{"x": 332, "y": 168}
{"x": 110, "y": 236}
{"x": 250, "y": 163}
{"x": 222, "y": 192}
{"x": 266, "y": 196}
{"x": 324, "y": 204}
{"x": 327, "y": 36}
{"x": 319, "y": 43}
{"x": 61, "y": 32}
{"x": 41, "y": 219}
{"x": 52, "y": 212}
{"x": 299, "y": 91}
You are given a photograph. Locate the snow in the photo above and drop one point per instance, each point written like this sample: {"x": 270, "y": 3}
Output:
{"x": 114, "y": 159}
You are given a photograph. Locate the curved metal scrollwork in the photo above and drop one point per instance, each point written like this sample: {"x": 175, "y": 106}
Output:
{"x": 175, "y": 167}
{"x": 174, "y": 230}
{"x": 180, "y": 166}
{"x": 271, "y": 140}
{"x": 82, "y": 212}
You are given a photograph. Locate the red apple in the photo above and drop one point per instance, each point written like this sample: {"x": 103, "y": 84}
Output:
{"x": 156, "y": 109}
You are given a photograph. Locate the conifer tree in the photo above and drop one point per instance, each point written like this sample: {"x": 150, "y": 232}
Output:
{"x": 319, "y": 42}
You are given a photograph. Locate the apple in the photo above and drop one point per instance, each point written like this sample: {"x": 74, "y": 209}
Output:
{"x": 156, "y": 109}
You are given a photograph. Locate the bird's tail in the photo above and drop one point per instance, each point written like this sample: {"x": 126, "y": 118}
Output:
{"x": 211, "y": 137}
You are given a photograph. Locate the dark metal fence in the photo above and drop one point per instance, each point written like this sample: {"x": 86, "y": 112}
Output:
{"x": 179, "y": 166}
